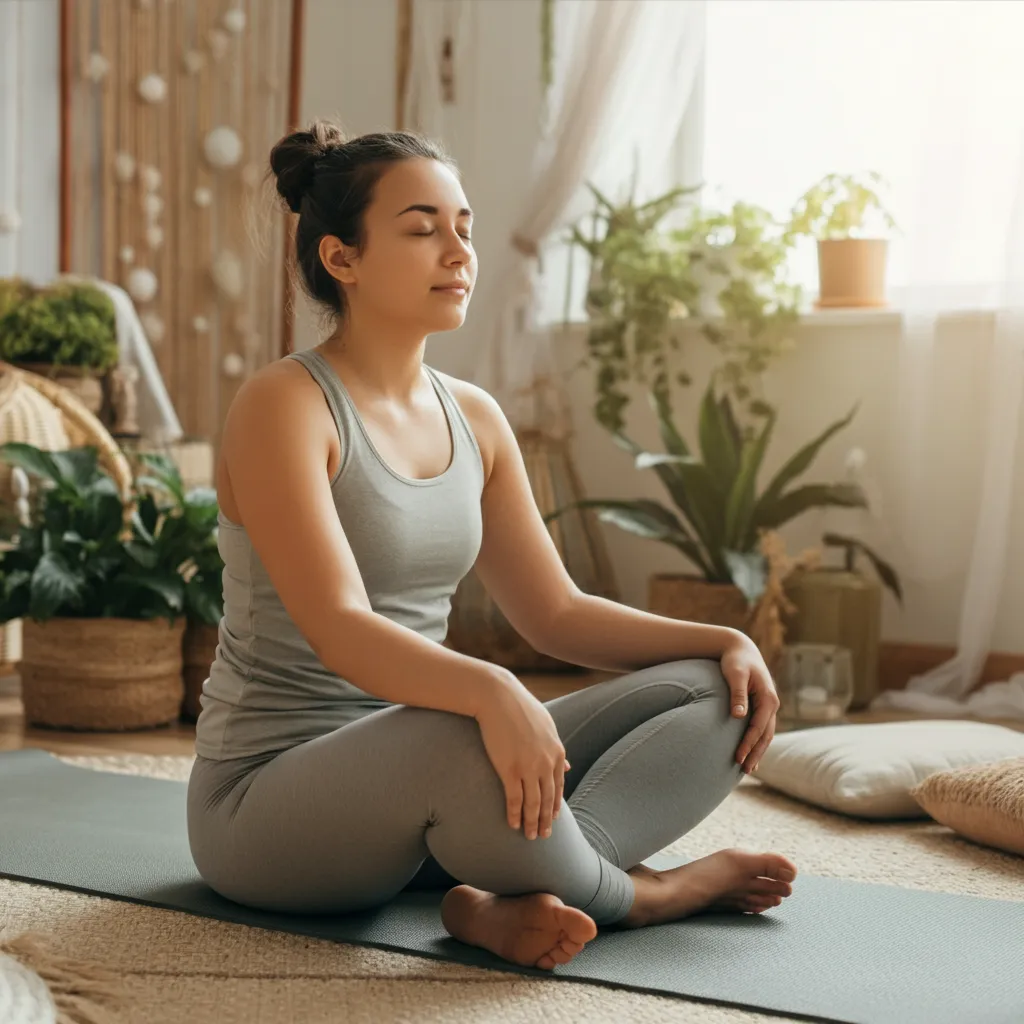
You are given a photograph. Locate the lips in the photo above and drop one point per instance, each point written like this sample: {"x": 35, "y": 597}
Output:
{"x": 456, "y": 287}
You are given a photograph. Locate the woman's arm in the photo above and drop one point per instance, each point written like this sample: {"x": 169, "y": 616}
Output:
{"x": 597, "y": 633}
{"x": 276, "y": 447}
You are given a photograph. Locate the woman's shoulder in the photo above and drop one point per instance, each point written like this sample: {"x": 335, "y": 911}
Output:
{"x": 281, "y": 395}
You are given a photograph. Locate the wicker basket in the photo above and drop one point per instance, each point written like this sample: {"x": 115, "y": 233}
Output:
{"x": 102, "y": 674}
{"x": 694, "y": 599}
{"x": 80, "y": 426}
{"x": 200, "y": 649}
{"x": 86, "y": 384}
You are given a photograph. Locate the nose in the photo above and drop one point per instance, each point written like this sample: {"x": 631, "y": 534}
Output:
{"x": 459, "y": 253}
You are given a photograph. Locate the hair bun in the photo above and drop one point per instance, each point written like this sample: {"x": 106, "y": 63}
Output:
{"x": 293, "y": 160}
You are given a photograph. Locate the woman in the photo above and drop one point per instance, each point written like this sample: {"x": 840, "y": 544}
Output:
{"x": 343, "y": 753}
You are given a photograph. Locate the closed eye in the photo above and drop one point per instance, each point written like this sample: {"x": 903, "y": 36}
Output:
{"x": 426, "y": 234}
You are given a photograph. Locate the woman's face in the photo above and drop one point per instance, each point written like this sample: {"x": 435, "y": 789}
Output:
{"x": 417, "y": 264}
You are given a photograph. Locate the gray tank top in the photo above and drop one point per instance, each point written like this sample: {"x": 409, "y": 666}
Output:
{"x": 413, "y": 541}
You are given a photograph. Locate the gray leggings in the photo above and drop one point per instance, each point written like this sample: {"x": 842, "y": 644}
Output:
{"x": 406, "y": 798}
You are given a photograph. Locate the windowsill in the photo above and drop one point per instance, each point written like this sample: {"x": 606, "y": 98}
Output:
{"x": 887, "y": 316}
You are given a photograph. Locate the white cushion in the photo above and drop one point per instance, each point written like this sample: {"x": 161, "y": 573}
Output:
{"x": 868, "y": 770}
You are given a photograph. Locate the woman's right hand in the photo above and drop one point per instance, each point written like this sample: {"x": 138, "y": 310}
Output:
{"x": 522, "y": 743}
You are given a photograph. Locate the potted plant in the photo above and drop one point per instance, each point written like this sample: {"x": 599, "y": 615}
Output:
{"x": 840, "y": 604}
{"x": 721, "y": 271}
{"x": 719, "y": 511}
{"x": 65, "y": 331}
{"x": 844, "y": 213}
{"x": 98, "y": 582}
{"x": 195, "y": 529}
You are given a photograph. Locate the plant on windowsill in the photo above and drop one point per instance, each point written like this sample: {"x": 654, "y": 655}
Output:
{"x": 846, "y": 216}
{"x": 720, "y": 513}
{"x": 722, "y": 271}
{"x": 101, "y": 584}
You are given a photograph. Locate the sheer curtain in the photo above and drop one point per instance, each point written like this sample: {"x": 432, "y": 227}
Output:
{"x": 623, "y": 79}
{"x": 964, "y": 250}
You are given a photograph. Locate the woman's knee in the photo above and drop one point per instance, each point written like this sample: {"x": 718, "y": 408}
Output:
{"x": 702, "y": 676}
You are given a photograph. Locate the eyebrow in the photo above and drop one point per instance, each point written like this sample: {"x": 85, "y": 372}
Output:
{"x": 433, "y": 210}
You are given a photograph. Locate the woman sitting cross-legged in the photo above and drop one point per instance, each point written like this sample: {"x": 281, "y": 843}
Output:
{"x": 344, "y": 754}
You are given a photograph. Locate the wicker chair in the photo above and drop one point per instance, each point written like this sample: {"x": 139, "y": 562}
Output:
{"x": 40, "y": 412}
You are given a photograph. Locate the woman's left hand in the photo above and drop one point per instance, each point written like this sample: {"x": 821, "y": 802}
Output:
{"x": 749, "y": 680}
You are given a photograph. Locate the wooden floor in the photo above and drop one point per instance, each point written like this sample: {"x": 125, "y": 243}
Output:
{"x": 180, "y": 738}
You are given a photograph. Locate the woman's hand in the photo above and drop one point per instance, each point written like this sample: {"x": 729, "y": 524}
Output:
{"x": 749, "y": 679}
{"x": 522, "y": 743}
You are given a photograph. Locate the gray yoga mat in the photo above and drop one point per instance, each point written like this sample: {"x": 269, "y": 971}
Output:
{"x": 833, "y": 951}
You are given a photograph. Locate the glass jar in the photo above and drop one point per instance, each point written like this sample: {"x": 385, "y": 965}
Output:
{"x": 815, "y": 683}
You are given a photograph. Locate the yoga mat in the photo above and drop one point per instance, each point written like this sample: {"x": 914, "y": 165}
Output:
{"x": 852, "y": 952}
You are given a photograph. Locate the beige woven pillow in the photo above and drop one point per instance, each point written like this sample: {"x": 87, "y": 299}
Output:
{"x": 983, "y": 802}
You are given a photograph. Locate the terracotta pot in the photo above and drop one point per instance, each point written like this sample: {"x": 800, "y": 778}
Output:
{"x": 198, "y": 651}
{"x": 86, "y": 384}
{"x": 694, "y": 599}
{"x": 843, "y": 608}
{"x": 851, "y": 272}
{"x": 101, "y": 674}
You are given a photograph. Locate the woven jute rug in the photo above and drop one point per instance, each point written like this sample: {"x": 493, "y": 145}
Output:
{"x": 174, "y": 968}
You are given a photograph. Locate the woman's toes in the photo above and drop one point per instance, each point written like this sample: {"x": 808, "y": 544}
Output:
{"x": 769, "y": 887}
{"x": 576, "y": 925}
{"x": 778, "y": 867}
{"x": 546, "y": 962}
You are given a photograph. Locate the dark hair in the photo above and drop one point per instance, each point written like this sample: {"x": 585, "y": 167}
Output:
{"x": 329, "y": 183}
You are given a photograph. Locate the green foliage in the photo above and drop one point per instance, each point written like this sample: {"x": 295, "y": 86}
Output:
{"x": 68, "y": 324}
{"x": 839, "y": 206}
{"x": 722, "y": 270}
{"x": 13, "y": 291}
{"x": 87, "y": 554}
{"x": 851, "y": 547}
{"x": 719, "y": 510}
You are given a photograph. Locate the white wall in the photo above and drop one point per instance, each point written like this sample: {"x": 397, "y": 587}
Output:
{"x": 30, "y": 136}
{"x": 350, "y": 71}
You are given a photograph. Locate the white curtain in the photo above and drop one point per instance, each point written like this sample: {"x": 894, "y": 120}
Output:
{"x": 964, "y": 250}
{"x": 623, "y": 78}
{"x": 157, "y": 419}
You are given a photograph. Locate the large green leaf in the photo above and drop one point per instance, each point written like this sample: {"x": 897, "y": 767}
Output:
{"x": 749, "y": 571}
{"x": 54, "y": 585}
{"x": 102, "y": 510}
{"x": 34, "y": 461}
{"x": 719, "y": 454}
{"x": 203, "y": 600}
{"x": 168, "y": 586}
{"x": 644, "y": 518}
{"x": 800, "y": 462}
{"x": 78, "y": 467}
{"x": 739, "y": 511}
{"x": 770, "y": 516}
{"x": 885, "y": 571}
{"x": 670, "y": 437}
{"x": 164, "y": 475}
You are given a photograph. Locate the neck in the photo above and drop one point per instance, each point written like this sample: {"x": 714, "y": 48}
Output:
{"x": 380, "y": 355}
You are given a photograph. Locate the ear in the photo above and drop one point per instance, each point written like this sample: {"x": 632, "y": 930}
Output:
{"x": 338, "y": 258}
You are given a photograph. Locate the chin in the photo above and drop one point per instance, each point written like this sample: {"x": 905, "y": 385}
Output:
{"x": 449, "y": 321}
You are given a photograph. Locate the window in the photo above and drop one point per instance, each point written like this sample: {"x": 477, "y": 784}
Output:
{"x": 929, "y": 93}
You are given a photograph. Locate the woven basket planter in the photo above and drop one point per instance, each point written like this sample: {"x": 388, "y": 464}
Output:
{"x": 102, "y": 674}
{"x": 200, "y": 648}
{"x": 694, "y": 599}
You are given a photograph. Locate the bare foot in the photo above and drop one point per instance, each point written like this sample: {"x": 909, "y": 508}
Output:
{"x": 729, "y": 880}
{"x": 536, "y": 930}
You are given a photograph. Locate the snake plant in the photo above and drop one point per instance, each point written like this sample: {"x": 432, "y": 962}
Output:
{"x": 719, "y": 511}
